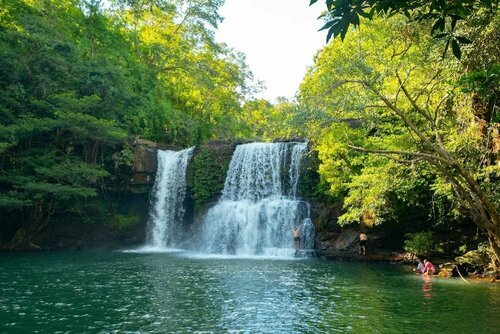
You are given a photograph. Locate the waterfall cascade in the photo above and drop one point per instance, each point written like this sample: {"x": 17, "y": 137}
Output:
{"x": 169, "y": 192}
{"x": 259, "y": 204}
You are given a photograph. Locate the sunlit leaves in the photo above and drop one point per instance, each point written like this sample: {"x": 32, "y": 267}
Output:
{"x": 78, "y": 79}
{"x": 375, "y": 187}
{"x": 443, "y": 15}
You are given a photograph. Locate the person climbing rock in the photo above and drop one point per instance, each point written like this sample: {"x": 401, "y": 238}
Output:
{"x": 296, "y": 237}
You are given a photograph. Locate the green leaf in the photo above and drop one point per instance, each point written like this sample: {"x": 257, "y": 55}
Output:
{"x": 438, "y": 25}
{"x": 355, "y": 19}
{"x": 312, "y": 2}
{"x": 456, "y": 49}
{"x": 446, "y": 48}
{"x": 344, "y": 32}
{"x": 463, "y": 40}
{"x": 440, "y": 35}
{"x": 327, "y": 25}
{"x": 330, "y": 34}
{"x": 334, "y": 31}
{"x": 453, "y": 24}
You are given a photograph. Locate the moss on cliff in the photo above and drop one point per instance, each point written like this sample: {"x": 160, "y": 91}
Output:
{"x": 309, "y": 186}
{"x": 207, "y": 172}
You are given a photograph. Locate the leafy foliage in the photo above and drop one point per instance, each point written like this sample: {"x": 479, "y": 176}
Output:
{"x": 421, "y": 243}
{"x": 207, "y": 172}
{"x": 401, "y": 127}
{"x": 78, "y": 78}
{"x": 442, "y": 15}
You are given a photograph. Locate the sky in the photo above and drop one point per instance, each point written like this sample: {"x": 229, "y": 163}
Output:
{"x": 278, "y": 37}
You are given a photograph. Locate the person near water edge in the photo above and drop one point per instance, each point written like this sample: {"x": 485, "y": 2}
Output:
{"x": 362, "y": 243}
{"x": 296, "y": 237}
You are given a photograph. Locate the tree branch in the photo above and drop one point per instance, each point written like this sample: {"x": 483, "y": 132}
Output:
{"x": 442, "y": 155}
{"x": 413, "y": 102}
{"x": 426, "y": 114}
{"x": 427, "y": 84}
{"x": 425, "y": 156}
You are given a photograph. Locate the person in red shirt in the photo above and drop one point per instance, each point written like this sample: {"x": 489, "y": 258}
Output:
{"x": 429, "y": 268}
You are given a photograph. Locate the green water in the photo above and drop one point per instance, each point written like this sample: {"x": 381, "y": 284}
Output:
{"x": 114, "y": 292}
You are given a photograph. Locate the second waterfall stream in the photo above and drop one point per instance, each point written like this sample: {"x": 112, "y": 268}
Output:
{"x": 259, "y": 204}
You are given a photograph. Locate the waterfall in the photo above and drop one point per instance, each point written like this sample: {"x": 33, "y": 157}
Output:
{"x": 259, "y": 204}
{"x": 294, "y": 172}
{"x": 169, "y": 192}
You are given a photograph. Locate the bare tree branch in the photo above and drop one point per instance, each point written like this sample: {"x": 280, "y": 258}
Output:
{"x": 428, "y": 83}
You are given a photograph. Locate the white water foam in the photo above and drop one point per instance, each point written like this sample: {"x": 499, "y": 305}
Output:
{"x": 153, "y": 249}
{"x": 169, "y": 192}
{"x": 259, "y": 204}
{"x": 282, "y": 254}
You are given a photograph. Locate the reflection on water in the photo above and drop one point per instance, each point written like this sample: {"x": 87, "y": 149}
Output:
{"x": 230, "y": 295}
{"x": 426, "y": 287}
{"x": 171, "y": 293}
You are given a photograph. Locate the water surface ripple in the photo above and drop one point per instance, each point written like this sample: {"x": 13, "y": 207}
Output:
{"x": 113, "y": 292}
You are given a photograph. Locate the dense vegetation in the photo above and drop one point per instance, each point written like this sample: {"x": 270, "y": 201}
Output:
{"x": 207, "y": 171}
{"x": 407, "y": 133}
{"x": 402, "y": 126}
{"x": 78, "y": 79}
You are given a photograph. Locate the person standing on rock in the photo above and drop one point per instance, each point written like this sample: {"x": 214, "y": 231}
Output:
{"x": 296, "y": 237}
{"x": 362, "y": 243}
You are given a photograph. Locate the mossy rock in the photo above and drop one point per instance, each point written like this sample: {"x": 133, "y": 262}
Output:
{"x": 207, "y": 171}
{"x": 310, "y": 183}
{"x": 474, "y": 259}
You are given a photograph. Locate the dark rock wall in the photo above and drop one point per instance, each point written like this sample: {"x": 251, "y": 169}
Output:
{"x": 118, "y": 221}
{"x": 118, "y": 217}
{"x": 144, "y": 166}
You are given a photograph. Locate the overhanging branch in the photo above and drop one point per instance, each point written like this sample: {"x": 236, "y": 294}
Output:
{"x": 425, "y": 156}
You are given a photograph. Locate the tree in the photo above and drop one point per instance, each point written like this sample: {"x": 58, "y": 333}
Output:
{"x": 267, "y": 121}
{"x": 205, "y": 82}
{"x": 444, "y": 16}
{"x": 411, "y": 112}
{"x": 78, "y": 79}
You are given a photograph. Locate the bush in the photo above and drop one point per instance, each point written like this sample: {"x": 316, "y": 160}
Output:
{"x": 121, "y": 222}
{"x": 421, "y": 243}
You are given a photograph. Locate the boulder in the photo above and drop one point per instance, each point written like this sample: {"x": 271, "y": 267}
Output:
{"x": 144, "y": 164}
{"x": 346, "y": 238}
{"x": 145, "y": 159}
{"x": 474, "y": 259}
{"x": 447, "y": 270}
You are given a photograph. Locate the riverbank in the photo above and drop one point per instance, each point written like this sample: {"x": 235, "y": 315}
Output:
{"x": 446, "y": 267}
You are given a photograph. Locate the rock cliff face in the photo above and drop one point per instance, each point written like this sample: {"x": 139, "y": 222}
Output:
{"x": 206, "y": 175}
{"x": 115, "y": 218}
{"x": 120, "y": 213}
{"x": 144, "y": 165}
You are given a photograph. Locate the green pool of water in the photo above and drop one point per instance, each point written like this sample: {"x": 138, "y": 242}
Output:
{"x": 113, "y": 292}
